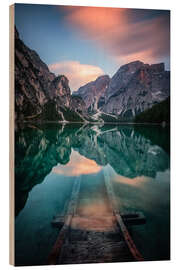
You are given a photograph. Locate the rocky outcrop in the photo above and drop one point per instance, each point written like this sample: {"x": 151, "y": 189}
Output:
{"x": 78, "y": 104}
{"x": 39, "y": 94}
{"x": 93, "y": 93}
{"x": 136, "y": 87}
{"x": 59, "y": 91}
{"x": 32, "y": 81}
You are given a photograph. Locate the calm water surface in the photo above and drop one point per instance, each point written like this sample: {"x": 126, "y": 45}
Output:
{"x": 49, "y": 157}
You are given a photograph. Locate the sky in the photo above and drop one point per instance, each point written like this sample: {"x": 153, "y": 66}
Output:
{"x": 86, "y": 42}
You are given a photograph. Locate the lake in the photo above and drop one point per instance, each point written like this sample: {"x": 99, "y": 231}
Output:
{"x": 48, "y": 159}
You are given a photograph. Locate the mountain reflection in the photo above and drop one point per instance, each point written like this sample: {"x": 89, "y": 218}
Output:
{"x": 130, "y": 153}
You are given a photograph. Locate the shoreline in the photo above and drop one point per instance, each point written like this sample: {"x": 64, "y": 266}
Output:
{"x": 90, "y": 123}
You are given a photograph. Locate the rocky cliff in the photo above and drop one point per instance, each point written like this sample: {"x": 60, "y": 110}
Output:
{"x": 136, "y": 87}
{"x": 93, "y": 93}
{"x": 32, "y": 79}
{"x": 39, "y": 94}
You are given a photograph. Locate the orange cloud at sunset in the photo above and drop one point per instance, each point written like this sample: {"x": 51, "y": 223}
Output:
{"x": 77, "y": 73}
{"x": 77, "y": 165}
{"x": 97, "y": 21}
{"x": 127, "y": 36}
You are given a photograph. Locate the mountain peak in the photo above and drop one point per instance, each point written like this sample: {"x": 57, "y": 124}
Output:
{"x": 92, "y": 91}
{"x": 103, "y": 77}
{"x": 159, "y": 67}
{"x": 131, "y": 67}
{"x": 136, "y": 87}
{"x": 135, "y": 65}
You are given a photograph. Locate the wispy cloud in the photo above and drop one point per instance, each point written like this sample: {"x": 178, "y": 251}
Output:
{"x": 126, "y": 34}
{"x": 77, "y": 73}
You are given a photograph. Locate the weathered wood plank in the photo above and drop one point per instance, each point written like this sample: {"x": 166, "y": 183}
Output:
{"x": 96, "y": 247}
{"x": 93, "y": 246}
{"x": 129, "y": 218}
{"x": 132, "y": 247}
{"x": 58, "y": 246}
{"x": 137, "y": 218}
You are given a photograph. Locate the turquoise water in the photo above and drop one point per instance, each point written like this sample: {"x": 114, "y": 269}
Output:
{"x": 49, "y": 157}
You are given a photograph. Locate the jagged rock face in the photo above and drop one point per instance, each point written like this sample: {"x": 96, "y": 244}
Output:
{"x": 39, "y": 94}
{"x": 60, "y": 91}
{"x": 121, "y": 78}
{"x": 77, "y": 103}
{"x": 136, "y": 87}
{"x": 93, "y": 93}
{"x": 32, "y": 80}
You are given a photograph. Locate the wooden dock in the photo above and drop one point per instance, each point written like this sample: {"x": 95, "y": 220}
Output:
{"x": 57, "y": 250}
{"x": 110, "y": 242}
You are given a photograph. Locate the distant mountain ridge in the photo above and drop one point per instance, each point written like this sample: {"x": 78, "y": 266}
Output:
{"x": 134, "y": 88}
{"x": 41, "y": 96}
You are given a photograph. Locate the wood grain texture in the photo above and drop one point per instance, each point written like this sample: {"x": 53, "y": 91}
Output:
{"x": 58, "y": 246}
{"x": 129, "y": 241}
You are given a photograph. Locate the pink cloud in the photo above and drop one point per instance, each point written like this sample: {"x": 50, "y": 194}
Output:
{"x": 125, "y": 36}
{"x": 78, "y": 74}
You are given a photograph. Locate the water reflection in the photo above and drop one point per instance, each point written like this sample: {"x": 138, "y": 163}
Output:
{"x": 48, "y": 158}
{"x": 94, "y": 210}
{"x": 152, "y": 197}
{"x": 78, "y": 165}
{"x": 39, "y": 149}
